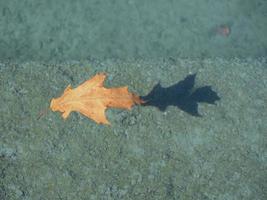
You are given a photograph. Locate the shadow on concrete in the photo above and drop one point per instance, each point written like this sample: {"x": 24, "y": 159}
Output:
{"x": 182, "y": 95}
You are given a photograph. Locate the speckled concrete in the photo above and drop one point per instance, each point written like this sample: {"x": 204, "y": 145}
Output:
{"x": 125, "y": 29}
{"x": 145, "y": 154}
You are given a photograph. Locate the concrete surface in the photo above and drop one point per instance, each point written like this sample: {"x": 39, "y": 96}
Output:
{"x": 145, "y": 154}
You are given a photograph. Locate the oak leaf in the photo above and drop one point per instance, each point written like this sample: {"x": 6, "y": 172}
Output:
{"x": 91, "y": 99}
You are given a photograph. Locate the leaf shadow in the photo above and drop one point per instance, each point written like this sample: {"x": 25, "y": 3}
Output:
{"x": 182, "y": 95}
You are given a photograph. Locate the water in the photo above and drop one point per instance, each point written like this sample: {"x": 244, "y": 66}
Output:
{"x": 202, "y": 66}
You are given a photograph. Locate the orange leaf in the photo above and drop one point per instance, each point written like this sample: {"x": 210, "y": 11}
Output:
{"x": 91, "y": 99}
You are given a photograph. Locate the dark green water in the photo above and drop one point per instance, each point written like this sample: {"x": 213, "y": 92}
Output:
{"x": 73, "y": 30}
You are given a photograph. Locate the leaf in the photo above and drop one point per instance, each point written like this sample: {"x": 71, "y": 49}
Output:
{"x": 91, "y": 99}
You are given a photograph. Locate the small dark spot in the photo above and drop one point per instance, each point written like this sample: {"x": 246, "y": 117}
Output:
{"x": 172, "y": 60}
{"x": 183, "y": 19}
